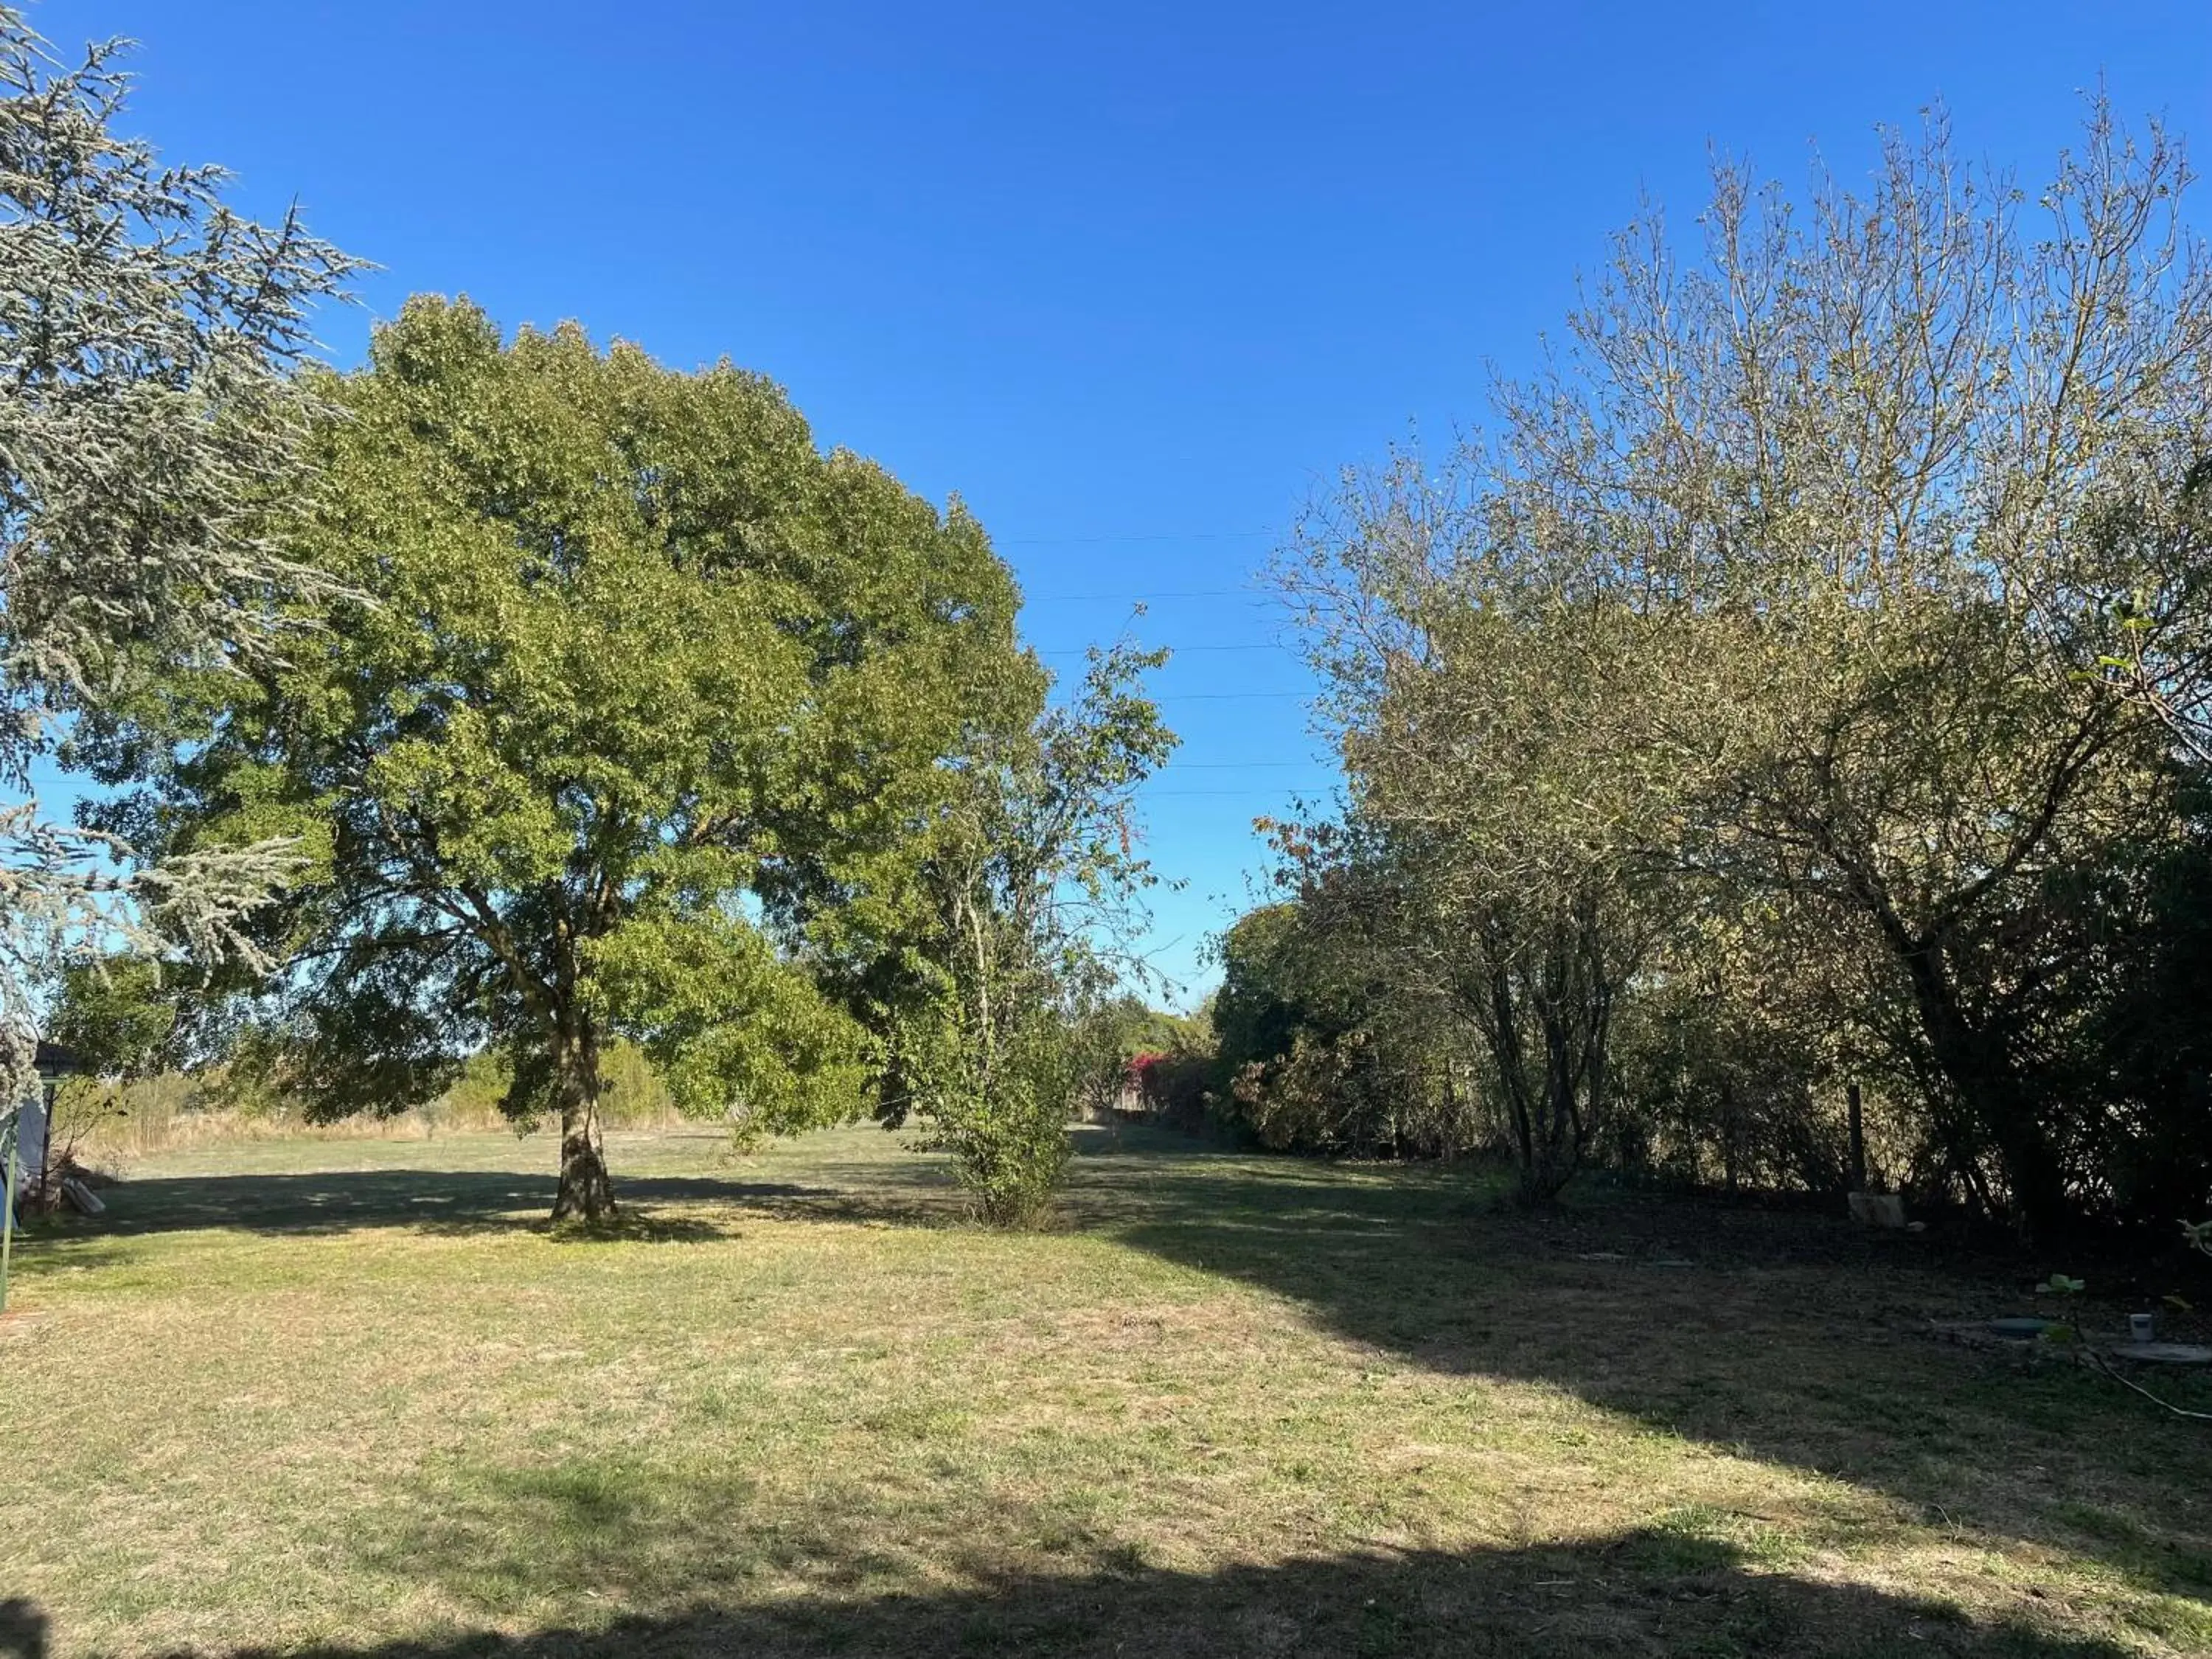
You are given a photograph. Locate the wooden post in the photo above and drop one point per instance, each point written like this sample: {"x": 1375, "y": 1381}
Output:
{"x": 1858, "y": 1138}
{"x": 1728, "y": 1131}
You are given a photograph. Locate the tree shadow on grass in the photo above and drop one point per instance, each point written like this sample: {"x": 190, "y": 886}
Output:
{"x": 1647, "y": 1593}
{"x": 340, "y": 1200}
{"x": 653, "y": 1208}
{"x": 1791, "y": 1339}
{"x": 709, "y": 1560}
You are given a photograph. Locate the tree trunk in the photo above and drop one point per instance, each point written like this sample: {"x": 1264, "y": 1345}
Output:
{"x": 1997, "y": 1106}
{"x": 585, "y": 1193}
{"x": 1503, "y": 1031}
{"x": 2041, "y": 1206}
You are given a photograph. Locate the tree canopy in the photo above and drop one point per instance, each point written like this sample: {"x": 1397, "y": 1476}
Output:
{"x": 642, "y": 711}
{"x": 1823, "y": 625}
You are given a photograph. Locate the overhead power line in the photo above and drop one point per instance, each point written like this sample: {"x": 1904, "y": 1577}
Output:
{"x": 1226, "y": 696}
{"x": 1244, "y": 594}
{"x": 1180, "y": 650}
{"x": 1102, "y": 541}
{"x": 1244, "y": 794}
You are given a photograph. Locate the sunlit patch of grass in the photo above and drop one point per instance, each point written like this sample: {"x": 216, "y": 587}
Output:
{"x": 798, "y": 1405}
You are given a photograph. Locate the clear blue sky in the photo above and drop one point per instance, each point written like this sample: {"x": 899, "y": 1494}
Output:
{"x": 1134, "y": 279}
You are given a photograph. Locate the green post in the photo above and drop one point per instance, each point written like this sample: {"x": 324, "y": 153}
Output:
{"x": 8, "y": 1218}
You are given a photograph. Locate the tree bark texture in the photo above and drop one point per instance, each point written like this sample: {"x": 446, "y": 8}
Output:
{"x": 585, "y": 1193}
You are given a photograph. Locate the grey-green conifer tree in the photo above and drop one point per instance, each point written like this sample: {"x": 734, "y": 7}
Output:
{"x": 151, "y": 433}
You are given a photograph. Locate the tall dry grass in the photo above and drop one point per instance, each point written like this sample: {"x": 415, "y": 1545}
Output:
{"x": 107, "y": 1125}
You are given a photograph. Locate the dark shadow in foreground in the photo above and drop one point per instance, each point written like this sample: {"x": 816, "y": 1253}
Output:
{"x": 1640, "y": 1594}
{"x": 1794, "y": 1339}
{"x": 22, "y": 1631}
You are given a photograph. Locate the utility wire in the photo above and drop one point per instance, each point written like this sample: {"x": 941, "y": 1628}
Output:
{"x": 1102, "y": 541}
{"x": 1226, "y": 696}
{"x": 1244, "y": 594}
{"x": 1178, "y": 650}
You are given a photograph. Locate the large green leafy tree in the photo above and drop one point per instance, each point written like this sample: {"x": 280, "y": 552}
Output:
{"x": 644, "y": 714}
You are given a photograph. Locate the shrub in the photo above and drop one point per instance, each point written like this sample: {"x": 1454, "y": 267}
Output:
{"x": 1001, "y": 1109}
{"x": 1173, "y": 1089}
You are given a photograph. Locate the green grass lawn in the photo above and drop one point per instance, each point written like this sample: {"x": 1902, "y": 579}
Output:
{"x": 353, "y": 1397}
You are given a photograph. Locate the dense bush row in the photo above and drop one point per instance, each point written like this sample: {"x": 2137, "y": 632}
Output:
{"x": 1805, "y": 684}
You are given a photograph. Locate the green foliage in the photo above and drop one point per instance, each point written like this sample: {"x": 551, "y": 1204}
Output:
{"x": 1319, "y": 1049}
{"x": 1731, "y": 1062}
{"x": 1130, "y": 1026}
{"x": 114, "y": 1016}
{"x": 1177, "y": 1090}
{"x": 1129, "y": 1043}
{"x": 1262, "y": 1001}
{"x": 732, "y": 1030}
{"x": 1812, "y": 633}
{"x": 477, "y": 1094}
{"x": 2129, "y": 1050}
{"x": 636, "y": 728}
{"x": 998, "y": 1100}
{"x": 1035, "y": 886}
{"x": 1490, "y": 869}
